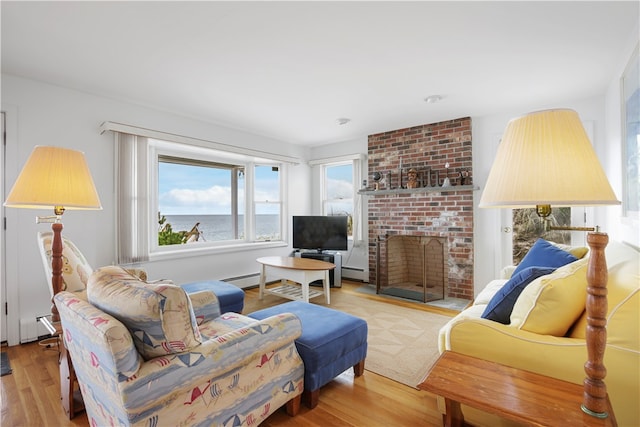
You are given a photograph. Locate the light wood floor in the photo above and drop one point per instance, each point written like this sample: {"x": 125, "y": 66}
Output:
{"x": 31, "y": 397}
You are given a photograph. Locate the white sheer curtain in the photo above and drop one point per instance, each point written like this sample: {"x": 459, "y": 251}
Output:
{"x": 132, "y": 201}
{"x": 358, "y": 166}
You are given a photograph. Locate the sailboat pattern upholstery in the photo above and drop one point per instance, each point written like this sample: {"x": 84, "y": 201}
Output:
{"x": 230, "y": 370}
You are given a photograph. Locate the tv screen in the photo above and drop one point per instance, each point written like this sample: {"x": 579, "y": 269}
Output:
{"x": 320, "y": 233}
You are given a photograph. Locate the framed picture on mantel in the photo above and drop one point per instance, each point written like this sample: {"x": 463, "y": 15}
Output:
{"x": 630, "y": 88}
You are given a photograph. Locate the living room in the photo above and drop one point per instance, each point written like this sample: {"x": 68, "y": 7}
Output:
{"x": 55, "y": 109}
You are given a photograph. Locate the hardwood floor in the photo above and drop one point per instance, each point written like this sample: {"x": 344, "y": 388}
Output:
{"x": 30, "y": 397}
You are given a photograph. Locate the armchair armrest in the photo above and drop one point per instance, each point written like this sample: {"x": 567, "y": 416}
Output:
{"x": 253, "y": 344}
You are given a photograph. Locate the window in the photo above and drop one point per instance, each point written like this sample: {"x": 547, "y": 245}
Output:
{"x": 161, "y": 176}
{"x": 267, "y": 203}
{"x": 198, "y": 201}
{"x": 527, "y": 228}
{"x": 338, "y": 191}
{"x": 207, "y": 198}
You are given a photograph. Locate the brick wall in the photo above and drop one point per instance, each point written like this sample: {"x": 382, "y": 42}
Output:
{"x": 447, "y": 214}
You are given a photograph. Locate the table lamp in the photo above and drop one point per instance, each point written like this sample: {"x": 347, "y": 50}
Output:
{"x": 59, "y": 179}
{"x": 545, "y": 158}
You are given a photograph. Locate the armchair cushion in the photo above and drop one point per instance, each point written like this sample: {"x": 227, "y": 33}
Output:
{"x": 205, "y": 306}
{"x": 75, "y": 268}
{"x": 544, "y": 254}
{"x": 501, "y": 305}
{"x": 159, "y": 316}
{"x": 552, "y": 303}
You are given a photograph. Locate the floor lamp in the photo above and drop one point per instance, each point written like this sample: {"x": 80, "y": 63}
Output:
{"x": 59, "y": 179}
{"x": 545, "y": 158}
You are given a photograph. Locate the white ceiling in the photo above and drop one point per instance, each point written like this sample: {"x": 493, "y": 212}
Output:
{"x": 289, "y": 70}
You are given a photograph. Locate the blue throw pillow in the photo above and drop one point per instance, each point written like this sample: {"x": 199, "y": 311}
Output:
{"x": 501, "y": 305}
{"x": 544, "y": 254}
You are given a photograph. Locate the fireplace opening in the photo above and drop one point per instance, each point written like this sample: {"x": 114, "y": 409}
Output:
{"x": 416, "y": 267}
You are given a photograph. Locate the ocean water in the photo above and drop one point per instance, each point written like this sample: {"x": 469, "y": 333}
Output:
{"x": 218, "y": 227}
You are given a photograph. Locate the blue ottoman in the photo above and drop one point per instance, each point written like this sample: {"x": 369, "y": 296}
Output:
{"x": 230, "y": 297}
{"x": 331, "y": 342}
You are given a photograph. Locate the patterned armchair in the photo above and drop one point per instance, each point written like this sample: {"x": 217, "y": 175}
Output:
{"x": 149, "y": 354}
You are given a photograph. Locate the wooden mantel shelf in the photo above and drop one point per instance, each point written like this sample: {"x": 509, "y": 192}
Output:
{"x": 454, "y": 188}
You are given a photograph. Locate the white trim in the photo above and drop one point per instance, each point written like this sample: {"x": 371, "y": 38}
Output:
{"x": 338, "y": 159}
{"x": 259, "y": 156}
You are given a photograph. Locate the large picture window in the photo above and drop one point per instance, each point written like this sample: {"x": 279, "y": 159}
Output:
{"x": 199, "y": 201}
{"x": 177, "y": 194}
{"x": 205, "y": 198}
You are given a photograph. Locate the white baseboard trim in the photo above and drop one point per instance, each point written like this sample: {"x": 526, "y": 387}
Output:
{"x": 250, "y": 280}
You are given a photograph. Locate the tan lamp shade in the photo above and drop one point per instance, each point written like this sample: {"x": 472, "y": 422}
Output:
{"x": 54, "y": 177}
{"x": 546, "y": 158}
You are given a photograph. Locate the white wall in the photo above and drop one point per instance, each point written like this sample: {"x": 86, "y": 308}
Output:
{"x": 42, "y": 114}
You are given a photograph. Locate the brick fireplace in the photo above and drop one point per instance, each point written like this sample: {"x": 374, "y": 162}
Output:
{"x": 445, "y": 213}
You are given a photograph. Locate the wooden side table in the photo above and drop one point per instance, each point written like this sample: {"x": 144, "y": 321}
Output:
{"x": 510, "y": 393}
{"x": 70, "y": 396}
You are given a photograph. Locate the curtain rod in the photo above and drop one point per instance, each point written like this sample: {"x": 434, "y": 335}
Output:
{"x": 150, "y": 133}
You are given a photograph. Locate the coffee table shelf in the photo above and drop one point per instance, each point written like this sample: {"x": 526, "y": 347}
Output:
{"x": 292, "y": 292}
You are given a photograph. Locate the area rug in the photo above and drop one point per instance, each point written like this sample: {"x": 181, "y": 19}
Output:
{"x": 5, "y": 366}
{"x": 402, "y": 341}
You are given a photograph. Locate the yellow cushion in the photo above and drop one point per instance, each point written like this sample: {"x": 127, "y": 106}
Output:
{"x": 577, "y": 251}
{"x": 552, "y": 303}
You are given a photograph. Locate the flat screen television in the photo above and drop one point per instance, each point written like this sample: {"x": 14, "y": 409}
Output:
{"x": 321, "y": 233}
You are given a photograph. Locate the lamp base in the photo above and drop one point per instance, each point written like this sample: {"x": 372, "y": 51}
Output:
{"x": 595, "y": 391}
{"x": 588, "y": 411}
{"x": 56, "y": 267}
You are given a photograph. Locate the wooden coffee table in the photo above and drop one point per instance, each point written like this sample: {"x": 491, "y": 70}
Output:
{"x": 514, "y": 394}
{"x": 298, "y": 270}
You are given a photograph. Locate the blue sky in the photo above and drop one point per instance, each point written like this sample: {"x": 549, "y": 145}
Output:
{"x": 190, "y": 190}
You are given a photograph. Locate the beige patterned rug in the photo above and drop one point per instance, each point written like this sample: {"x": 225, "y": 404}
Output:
{"x": 403, "y": 336}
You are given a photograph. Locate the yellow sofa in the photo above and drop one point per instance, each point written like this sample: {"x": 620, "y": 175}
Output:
{"x": 561, "y": 356}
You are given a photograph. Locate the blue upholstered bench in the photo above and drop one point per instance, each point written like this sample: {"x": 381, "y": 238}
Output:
{"x": 331, "y": 342}
{"x": 230, "y": 297}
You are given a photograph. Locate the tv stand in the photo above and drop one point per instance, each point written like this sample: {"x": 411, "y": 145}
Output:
{"x": 335, "y": 275}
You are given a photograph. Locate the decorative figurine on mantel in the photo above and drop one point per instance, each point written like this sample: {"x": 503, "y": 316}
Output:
{"x": 446, "y": 182}
{"x": 465, "y": 177}
{"x": 376, "y": 179}
{"x": 412, "y": 178}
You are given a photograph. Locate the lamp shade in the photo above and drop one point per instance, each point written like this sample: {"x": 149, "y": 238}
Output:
{"x": 546, "y": 158}
{"x": 54, "y": 177}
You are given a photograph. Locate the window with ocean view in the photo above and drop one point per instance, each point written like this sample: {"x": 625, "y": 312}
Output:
{"x": 216, "y": 202}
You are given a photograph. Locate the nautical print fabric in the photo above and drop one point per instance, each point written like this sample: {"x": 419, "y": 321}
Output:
{"x": 241, "y": 372}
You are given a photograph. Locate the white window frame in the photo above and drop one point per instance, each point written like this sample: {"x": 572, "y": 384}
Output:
{"x": 358, "y": 162}
{"x": 159, "y": 148}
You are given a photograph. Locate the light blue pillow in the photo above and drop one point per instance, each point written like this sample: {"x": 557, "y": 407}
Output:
{"x": 544, "y": 254}
{"x": 501, "y": 305}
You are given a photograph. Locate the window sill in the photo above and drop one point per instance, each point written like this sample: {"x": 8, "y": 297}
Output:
{"x": 184, "y": 252}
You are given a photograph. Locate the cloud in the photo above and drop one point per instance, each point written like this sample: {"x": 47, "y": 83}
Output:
{"x": 212, "y": 200}
{"x": 339, "y": 189}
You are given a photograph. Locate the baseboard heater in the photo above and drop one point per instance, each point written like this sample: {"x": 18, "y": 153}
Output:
{"x": 355, "y": 273}
{"x": 246, "y": 281}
